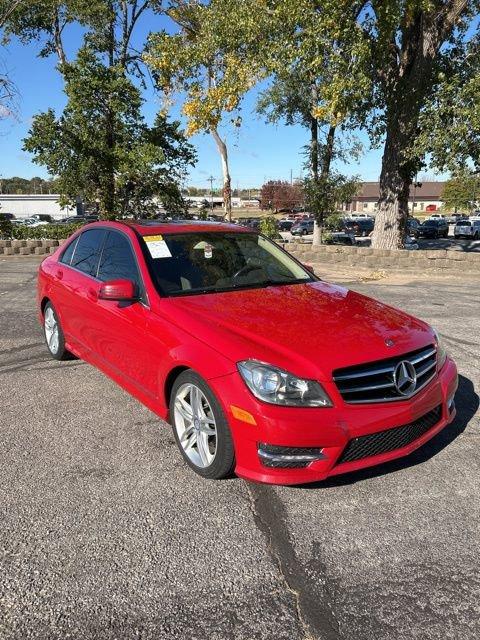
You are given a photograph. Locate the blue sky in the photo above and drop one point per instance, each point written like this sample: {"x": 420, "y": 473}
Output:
{"x": 258, "y": 151}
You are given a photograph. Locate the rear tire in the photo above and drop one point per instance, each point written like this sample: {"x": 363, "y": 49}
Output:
{"x": 52, "y": 330}
{"x": 200, "y": 427}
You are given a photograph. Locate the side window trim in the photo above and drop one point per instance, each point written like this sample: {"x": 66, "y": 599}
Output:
{"x": 143, "y": 290}
{"x": 64, "y": 251}
{"x": 76, "y": 241}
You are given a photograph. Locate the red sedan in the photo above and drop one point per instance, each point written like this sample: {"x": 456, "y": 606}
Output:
{"x": 260, "y": 367}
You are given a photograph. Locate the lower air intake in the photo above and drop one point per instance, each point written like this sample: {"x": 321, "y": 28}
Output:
{"x": 374, "y": 444}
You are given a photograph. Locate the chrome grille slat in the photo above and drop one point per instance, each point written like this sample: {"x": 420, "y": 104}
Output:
{"x": 364, "y": 373}
{"x": 367, "y": 388}
{"x": 421, "y": 372}
{"x": 378, "y": 377}
{"x": 423, "y": 357}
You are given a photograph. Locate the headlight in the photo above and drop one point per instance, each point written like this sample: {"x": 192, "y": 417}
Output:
{"x": 441, "y": 351}
{"x": 276, "y": 386}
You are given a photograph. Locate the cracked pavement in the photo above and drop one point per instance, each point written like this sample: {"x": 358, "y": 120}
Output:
{"x": 106, "y": 534}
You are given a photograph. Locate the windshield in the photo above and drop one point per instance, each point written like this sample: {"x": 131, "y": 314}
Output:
{"x": 203, "y": 262}
{"x": 464, "y": 223}
{"x": 430, "y": 223}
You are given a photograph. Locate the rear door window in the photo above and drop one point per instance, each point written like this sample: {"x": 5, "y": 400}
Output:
{"x": 87, "y": 252}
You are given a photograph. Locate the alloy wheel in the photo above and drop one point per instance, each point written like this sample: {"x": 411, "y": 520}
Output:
{"x": 195, "y": 425}
{"x": 51, "y": 330}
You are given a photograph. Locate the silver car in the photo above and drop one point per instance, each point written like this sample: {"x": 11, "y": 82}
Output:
{"x": 467, "y": 229}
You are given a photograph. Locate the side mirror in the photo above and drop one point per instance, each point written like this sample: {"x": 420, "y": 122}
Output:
{"x": 118, "y": 290}
{"x": 309, "y": 267}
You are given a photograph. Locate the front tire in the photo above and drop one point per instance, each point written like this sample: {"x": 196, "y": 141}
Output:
{"x": 200, "y": 427}
{"x": 53, "y": 333}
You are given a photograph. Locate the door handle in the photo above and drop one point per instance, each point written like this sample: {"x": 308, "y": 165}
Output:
{"x": 59, "y": 274}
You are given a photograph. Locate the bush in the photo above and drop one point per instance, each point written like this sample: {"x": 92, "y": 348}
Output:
{"x": 5, "y": 229}
{"x": 43, "y": 232}
{"x": 268, "y": 226}
{"x": 333, "y": 222}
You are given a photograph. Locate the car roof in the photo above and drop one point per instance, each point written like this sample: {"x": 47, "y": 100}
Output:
{"x": 153, "y": 227}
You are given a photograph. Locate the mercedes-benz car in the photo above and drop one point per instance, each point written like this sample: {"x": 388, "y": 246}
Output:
{"x": 261, "y": 368}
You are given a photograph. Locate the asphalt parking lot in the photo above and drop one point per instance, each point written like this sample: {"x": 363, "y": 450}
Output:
{"x": 106, "y": 534}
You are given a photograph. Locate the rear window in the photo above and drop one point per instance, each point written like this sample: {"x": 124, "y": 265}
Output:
{"x": 464, "y": 223}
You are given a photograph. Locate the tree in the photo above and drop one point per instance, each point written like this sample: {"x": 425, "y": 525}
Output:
{"x": 279, "y": 194}
{"x": 375, "y": 64}
{"x": 323, "y": 196}
{"x": 116, "y": 156}
{"x": 192, "y": 62}
{"x": 122, "y": 177}
{"x": 462, "y": 192}
{"x": 450, "y": 123}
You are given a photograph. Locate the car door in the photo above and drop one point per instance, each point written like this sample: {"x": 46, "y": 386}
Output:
{"x": 76, "y": 284}
{"x": 122, "y": 338}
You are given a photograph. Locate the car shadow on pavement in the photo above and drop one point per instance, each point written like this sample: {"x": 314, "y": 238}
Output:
{"x": 466, "y": 402}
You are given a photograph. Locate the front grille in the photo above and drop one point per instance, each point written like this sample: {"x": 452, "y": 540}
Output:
{"x": 374, "y": 381}
{"x": 389, "y": 440}
{"x": 279, "y": 457}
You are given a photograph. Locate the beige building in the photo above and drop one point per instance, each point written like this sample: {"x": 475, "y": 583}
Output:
{"x": 427, "y": 198}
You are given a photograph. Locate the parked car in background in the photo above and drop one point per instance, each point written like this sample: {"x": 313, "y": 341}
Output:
{"x": 360, "y": 216}
{"x": 435, "y": 228}
{"x": 285, "y": 225}
{"x": 302, "y": 228}
{"x": 359, "y": 227}
{"x": 78, "y": 220}
{"x": 453, "y": 218}
{"x": 411, "y": 244}
{"x": 341, "y": 237}
{"x": 34, "y": 222}
{"x": 6, "y": 216}
{"x": 467, "y": 229}
{"x": 185, "y": 317}
{"x": 43, "y": 217}
{"x": 412, "y": 226}
{"x": 437, "y": 216}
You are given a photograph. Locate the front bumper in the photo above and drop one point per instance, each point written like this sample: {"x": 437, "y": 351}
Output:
{"x": 326, "y": 430}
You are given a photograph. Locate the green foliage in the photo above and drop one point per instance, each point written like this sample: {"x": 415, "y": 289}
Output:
{"x": 268, "y": 226}
{"x": 450, "y": 123}
{"x": 24, "y": 185}
{"x": 333, "y": 222}
{"x": 323, "y": 196}
{"x": 101, "y": 147}
{"x": 42, "y": 232}
{"x": 462, "y": 192}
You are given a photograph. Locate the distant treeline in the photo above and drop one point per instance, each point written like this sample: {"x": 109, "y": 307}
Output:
{"x": 23, "y": 185}
{"x": 236, "y": 193}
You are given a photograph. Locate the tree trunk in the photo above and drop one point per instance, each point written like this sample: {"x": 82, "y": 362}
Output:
{"x": 324, "y": 174}
{"x": 227, "y": 189}
{"x": 395, "y": 181}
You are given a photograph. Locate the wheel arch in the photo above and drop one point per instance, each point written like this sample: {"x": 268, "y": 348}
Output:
{"x": 45, "y": 300}
{"x": 170, "y": 381}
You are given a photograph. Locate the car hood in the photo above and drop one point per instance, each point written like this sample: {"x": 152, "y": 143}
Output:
{"x": 309, "y": 329}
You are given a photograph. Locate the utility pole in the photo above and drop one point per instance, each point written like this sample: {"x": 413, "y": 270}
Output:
{"x": 211, "y": 179}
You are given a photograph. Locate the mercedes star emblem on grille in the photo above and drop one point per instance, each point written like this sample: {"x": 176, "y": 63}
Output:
{"x": 405, "y": 378}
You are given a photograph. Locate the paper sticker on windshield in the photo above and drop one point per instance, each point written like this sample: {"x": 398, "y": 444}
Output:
{"x": 208, "y": 251}
{"x": 157, "y": 247}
